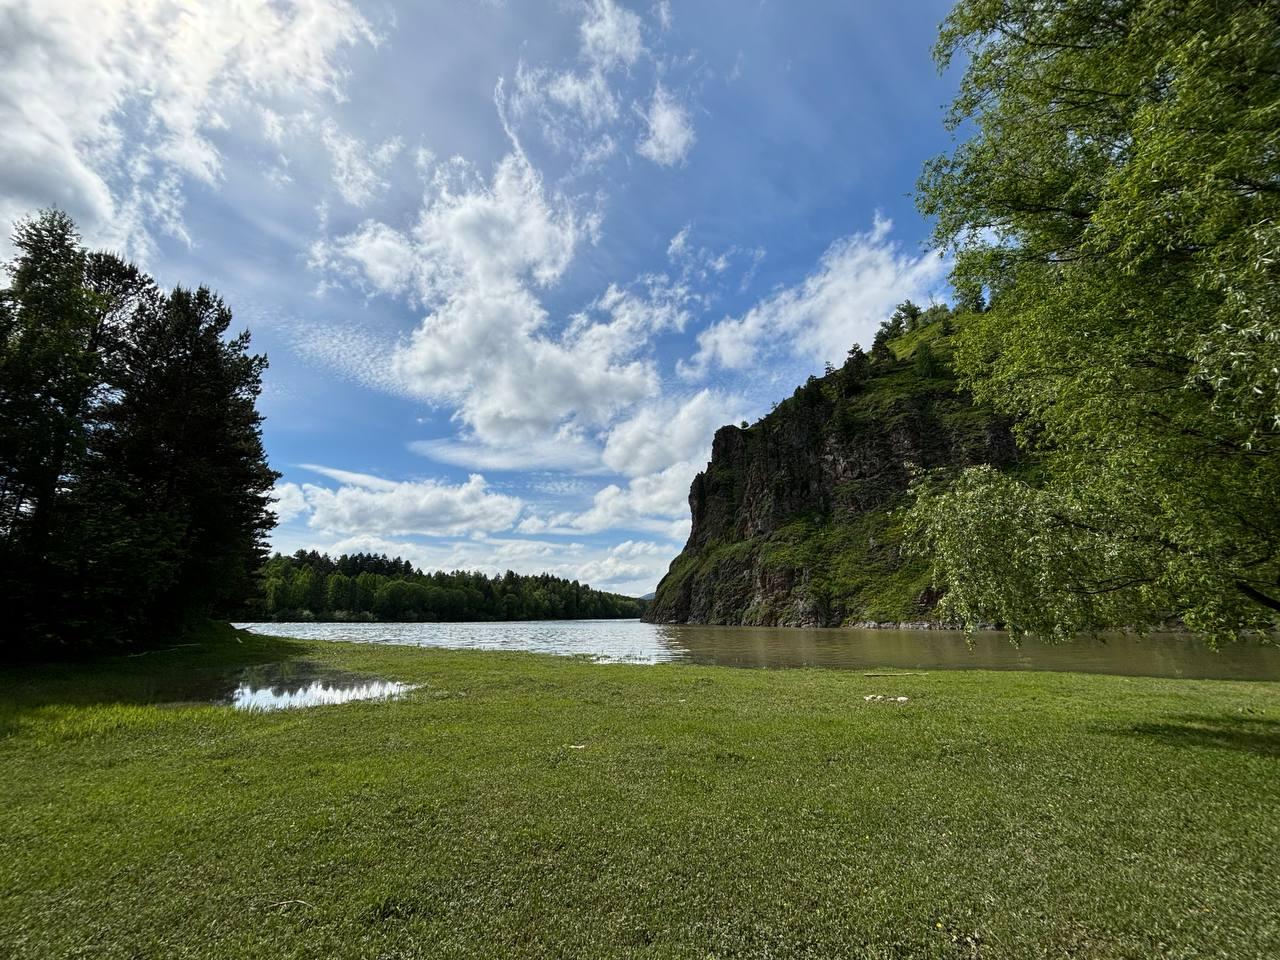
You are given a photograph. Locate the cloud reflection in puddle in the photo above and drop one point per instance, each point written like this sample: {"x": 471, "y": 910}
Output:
{"x": 317, "y": 693}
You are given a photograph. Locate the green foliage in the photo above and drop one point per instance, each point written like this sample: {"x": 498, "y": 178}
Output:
{"x": 133, "y": 484}
{"x": 1119, "y": 200}
{"x": 837, "y": 554}
{"x": 360, "y": 586}
{"x": 927, "y": 365}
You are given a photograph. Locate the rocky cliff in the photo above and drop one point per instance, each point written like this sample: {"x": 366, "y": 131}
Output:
{"x": 794, "y": 518}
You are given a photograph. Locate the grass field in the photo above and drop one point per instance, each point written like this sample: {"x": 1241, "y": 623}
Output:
{"x": 525, "y": 806}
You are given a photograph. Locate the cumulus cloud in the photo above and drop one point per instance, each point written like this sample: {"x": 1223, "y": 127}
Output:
{"x": 107, "y": 114}
{"x": 661, "y": 434}
{"x": 656, "y": 503}
{"x": 633, "y": 566}
{"x": 856, "y": 285}
{"x": 637, "y": 312}
{"x": 371, "y": 505}
{"x": 288, "y": 501}
{"x": 670, "y": 134}
{"x": 474, "y": 259}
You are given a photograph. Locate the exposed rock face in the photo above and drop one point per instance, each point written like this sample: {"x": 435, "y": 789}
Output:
{"x": 793, "y": 517}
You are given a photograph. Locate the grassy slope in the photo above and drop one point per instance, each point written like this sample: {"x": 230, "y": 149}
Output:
{"x": 711, "y": 812}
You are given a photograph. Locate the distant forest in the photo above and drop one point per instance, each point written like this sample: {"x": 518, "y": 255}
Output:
{"x": 373, "y": 587}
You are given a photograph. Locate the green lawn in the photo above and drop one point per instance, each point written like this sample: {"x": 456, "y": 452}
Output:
{"x": 710, "y": 812}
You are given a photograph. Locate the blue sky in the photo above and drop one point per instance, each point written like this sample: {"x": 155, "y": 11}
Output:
{"x": 513, "y": 262}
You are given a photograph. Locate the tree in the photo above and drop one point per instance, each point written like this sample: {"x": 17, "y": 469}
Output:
{"x": 1120, "y": 200}
{"x": 133, "y": 483}
{"x": 309, "y": 583}
{"x": 339, "y": 592}
{"x": 927, "y": 365}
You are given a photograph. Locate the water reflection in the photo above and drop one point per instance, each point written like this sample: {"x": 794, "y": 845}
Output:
{"x": 286, "y": 685}
{"x": 317, "y": 693}
{"x": 1164, "y": 655}
{"x": 630, "y": 641}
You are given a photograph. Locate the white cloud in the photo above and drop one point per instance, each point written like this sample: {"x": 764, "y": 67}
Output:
{"x": 703, "y": 264}
{"x": 565, "y": 103}
{"x": 670, "y": 136}
{"x": 387, "y": 508}
{"x": 383, "y": 257}
{"x": 365, "y": 480}
{"x": 357, "y": 353}
{"x": 564, "y": 451}
{"x": 663, "y": 11}
{"x": 611, "y": 35}
{"x": 857, "y": 284}
{"x": 679, "y": 244}
{"x": 633, "y": 566}
{"x": 560, "y": 486}
{"x": 571, "y": 107}
{"x": 474, "y": 258}
{"x": 358, "y": 169}
{"x": 667, "y": 432}
{"x": 656, "y": 503}
{"x": 288, "y": 501}
{"x": 107, "y": 112}
{"x": 636, "y": 313}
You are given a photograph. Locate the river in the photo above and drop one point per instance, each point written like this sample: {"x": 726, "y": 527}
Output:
{"x": 630, "y": 641}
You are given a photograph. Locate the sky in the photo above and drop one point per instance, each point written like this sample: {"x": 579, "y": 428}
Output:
{"x": 513, "y": 263}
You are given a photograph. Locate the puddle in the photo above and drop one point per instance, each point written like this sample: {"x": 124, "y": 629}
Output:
{"x": 317, "y": 693}
{"x": 299, "y": 683}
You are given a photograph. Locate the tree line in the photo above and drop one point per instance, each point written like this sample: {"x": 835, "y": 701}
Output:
{"x": 314, "y": 586}
{"x": 133, "y": 483}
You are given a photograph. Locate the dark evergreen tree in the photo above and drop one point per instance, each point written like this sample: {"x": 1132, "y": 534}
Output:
{"x": 133, "y": 483}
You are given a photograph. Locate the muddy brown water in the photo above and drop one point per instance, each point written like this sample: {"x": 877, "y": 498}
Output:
{"x": 630, "y": 641}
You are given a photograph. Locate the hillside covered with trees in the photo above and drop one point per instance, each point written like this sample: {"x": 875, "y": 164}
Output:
{"x": 797, "y": 518}
{"x": 361, "y": 586}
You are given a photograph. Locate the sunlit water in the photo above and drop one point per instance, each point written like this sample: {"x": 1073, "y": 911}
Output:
{"x": 317, "y": 693}
{"x": 630, "y": 641}
{"x": 284, "y": 685}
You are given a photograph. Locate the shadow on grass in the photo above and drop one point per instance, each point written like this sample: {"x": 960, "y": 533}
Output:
{"x": 192, "y": 671}
{"x": 1243, "y": 732}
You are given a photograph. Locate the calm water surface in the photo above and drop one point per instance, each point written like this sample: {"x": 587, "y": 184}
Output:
{"x": 296, "y": 683}
{"x": 630, "y": 641}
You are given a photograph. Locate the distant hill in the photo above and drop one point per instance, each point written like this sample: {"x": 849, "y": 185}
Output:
{"x": 794, "y": 517}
